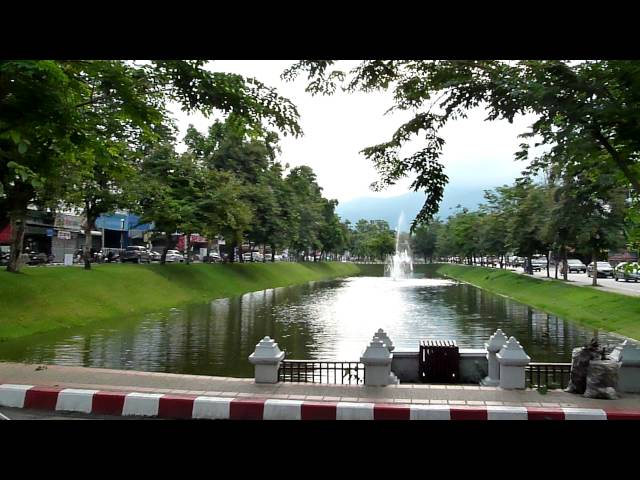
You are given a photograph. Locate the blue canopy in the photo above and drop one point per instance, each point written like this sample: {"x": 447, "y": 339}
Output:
{"x": 122, "y": 222}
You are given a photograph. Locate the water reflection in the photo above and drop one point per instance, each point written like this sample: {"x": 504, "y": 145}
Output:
{"x": 331, "y": 320}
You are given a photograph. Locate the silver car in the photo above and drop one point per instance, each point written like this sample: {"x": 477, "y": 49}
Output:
{"x": 575, "y": 265}
{"x": 174, "y": 256}
{"x": 604, "y": 270}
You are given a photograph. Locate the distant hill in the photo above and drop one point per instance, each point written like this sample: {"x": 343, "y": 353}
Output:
{"x": 389, "y": 209}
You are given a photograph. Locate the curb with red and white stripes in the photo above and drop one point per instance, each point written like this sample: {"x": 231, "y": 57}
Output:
{"x": 121, "y": 403}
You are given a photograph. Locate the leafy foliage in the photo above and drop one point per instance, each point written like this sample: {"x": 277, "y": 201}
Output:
{"x": 591, "y": 105}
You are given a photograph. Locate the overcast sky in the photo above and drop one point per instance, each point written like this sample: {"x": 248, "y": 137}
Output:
{"x": 477, "y": 153}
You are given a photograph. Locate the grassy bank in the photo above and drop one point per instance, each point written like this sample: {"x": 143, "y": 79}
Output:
{"x": 587, "y": 305}
{"x": 43, "y": 299}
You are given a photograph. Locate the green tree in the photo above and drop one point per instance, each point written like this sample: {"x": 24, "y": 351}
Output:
{"x": 575, "y": 103}
{"x": 306, "y": 207}
{"x": 424, "y": 239}
{"x": 61, "y": 116}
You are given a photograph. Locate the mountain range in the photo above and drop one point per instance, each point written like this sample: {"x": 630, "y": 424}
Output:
{"x": 390, "y": 208}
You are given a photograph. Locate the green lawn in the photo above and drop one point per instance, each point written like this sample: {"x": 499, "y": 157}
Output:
{"x": 603, "y": 310}
{"x": 46, "y": 298}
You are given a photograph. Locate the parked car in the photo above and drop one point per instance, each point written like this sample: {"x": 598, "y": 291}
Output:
{"x": 517, "y": 261}
{"x": 4, "y": 258}
{"x": 214, "y": 257}
{"x": 627, "y": 271}
{"x": 538, "y": 264}
{"x": 136, "y": 254}
{"x": 604, "y": 270}
{"x": 575, "y": 265}
{"x": 174, "y": 256}
{"x": 155, "y": 256}
{"x": 257, "y": 257}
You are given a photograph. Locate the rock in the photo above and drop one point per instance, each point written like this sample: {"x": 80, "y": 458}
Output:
{"x": 602, "y": 378}
{"x": 580, "y": 358}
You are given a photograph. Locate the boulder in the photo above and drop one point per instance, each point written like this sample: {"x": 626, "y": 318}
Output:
{"x": 602, "y": 378}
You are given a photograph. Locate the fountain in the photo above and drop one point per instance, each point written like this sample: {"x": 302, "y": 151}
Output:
{"x": 400, "y": 265}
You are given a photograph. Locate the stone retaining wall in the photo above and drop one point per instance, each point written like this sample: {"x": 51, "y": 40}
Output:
{"x": 473, "y": 365}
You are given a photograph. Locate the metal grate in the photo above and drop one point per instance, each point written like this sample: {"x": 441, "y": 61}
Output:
{"x": 439, "y": 361}
{"x": 310, "y": 371}
{"x": 550, "y": 375}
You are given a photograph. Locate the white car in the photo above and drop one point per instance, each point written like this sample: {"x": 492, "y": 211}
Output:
{"x": 627, "y": 271}
{"x": 174, "y": 256}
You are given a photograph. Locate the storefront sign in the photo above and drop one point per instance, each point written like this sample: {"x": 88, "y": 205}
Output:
{"x": 49, "y": 232}
{"x": 69, "y": 222}
{"x": 64, "y": 235}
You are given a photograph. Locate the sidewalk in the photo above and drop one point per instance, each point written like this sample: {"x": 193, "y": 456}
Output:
{"x": 581, "y": 280}
{"x": 245, "y": 388}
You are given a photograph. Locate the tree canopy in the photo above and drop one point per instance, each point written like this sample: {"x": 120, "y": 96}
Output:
{"x": 579, "y": 106}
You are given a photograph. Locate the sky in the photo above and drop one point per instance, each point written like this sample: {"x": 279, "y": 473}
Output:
{"x": 476, "y": 153}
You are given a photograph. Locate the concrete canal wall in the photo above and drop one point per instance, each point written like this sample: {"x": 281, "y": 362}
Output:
{"x": 473, "y": 365}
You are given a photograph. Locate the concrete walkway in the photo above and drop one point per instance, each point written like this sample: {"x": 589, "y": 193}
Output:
{"x": 240, "y": 388}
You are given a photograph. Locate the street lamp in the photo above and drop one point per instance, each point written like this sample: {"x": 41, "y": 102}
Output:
{"x": 122, "y": 234}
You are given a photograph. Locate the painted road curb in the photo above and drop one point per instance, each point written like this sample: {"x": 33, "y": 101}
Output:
{"x": 124, "y": 403}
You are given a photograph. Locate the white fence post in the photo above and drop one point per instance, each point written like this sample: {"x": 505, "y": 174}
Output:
{"x": 513, "y": 360}
{"x": 377, "y": 364}
{"x": 495, "y": 344}
{"x": 382, "y": 335}
{"x": 628, "y": 356}
{"x": 266, "y": 358}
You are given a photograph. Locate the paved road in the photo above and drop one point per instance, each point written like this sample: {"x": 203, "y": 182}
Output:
{"x": 606, "y": 284}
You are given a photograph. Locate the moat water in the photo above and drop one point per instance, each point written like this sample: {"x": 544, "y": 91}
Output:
{"x": 329, "y": 320}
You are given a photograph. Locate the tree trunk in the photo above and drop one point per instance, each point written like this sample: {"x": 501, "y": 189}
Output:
{"x": 88, "y": 241}
{"x": 18, "y": 224}
{"x": 273, "y": 252}
{"x": 163, "y": 257}
{"x": 595, "y": 268}
{"x": 187, "y": 246}
{"x": 555, "y": 256}
{"x": 565, "y": 263}
{"x": 548, "y": 276}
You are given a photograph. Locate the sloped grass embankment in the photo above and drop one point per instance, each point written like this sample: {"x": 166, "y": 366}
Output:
{"x": 46, "y": 298}
{"x": 587, "y": 305}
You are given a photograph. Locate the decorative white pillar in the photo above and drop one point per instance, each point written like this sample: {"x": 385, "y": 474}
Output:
{"x": 377, "y": 364}
{"x": 512, "y": 359}
{"x": 628, "y": 356}
{"x": 382, "y": 335}
{"x": 495, "y": 344}
{"x": 266, "y": 358}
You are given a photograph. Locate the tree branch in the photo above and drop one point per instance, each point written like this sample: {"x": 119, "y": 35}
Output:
{"x": 617, "y": 158}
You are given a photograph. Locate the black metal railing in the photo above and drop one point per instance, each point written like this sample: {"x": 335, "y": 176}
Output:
{"x": 313, "y": 371}
{"x": 549, "y": 375}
